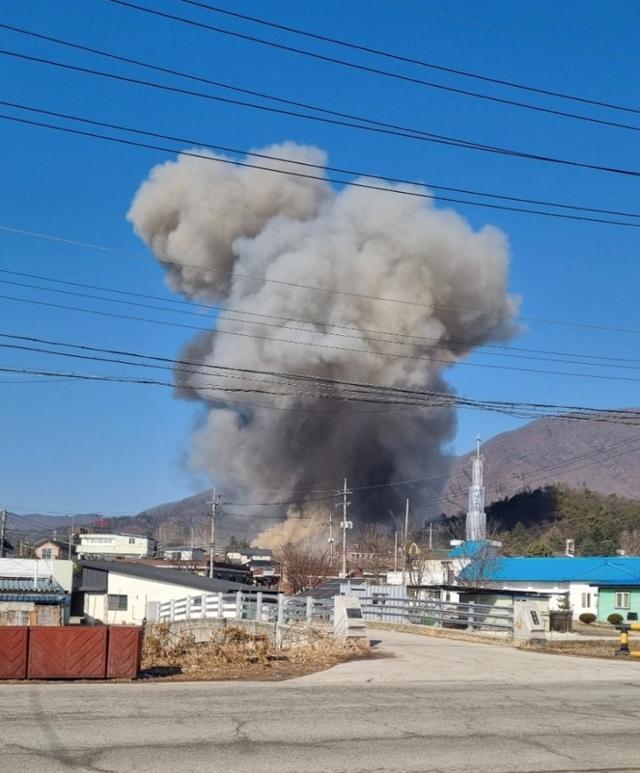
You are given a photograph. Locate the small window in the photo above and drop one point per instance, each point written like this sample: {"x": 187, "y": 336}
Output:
{"x": 586, "y": 600}
{"x": 116, "y": 603}
{"x": 46, "y": 553}
{"x": 622, "y": 600}
{"x": 132, "y": 540}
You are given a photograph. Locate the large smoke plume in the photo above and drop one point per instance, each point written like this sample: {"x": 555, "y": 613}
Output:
{"x": 215, "y": 225}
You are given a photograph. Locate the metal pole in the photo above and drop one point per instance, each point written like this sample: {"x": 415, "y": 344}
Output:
{"x": 345, "y": 525}
{"x": 3, "y": 531}
{"x": 395, "y": 551}
{"x": 212, "y": 540}
{"x": 71, "y": 538}
{"x": 331, "y": 540}
{"x": 430, "y": 535}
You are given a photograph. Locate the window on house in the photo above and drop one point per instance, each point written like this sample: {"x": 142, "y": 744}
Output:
{"x": 622, "y": 600}
{"x": 46, "y": 553}
{"x": 116, "y": 603}
{"x": 132, "y": 540}
{"x": 586, "y": 600}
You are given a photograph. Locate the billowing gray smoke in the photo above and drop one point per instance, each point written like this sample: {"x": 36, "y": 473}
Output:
{"x": 217, "y": 226}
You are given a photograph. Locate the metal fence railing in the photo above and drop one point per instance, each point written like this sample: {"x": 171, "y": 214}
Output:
{"x": 247, "y": 605}
{"x": 434, "y": 612}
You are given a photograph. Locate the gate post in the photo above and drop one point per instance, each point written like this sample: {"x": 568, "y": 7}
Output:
{"x": 259, "y": 605}
{"x": 239, "y": 605}
{"x": 220, "y": 605}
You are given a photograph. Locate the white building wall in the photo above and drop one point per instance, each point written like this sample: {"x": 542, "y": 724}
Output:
{"x": 113, "y": 545}
{"x": 60, "y": 571}
{"x": 139, "y": 591}
{"x": 583, "y": 598}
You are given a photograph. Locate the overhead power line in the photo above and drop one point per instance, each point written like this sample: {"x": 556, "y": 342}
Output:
{"x": 331, "y": 388}
{"x": 375, "y": 70}
{"x": 274, "y": 320}
{"x": 424, "y": 343}
{"x": 446, "y": 362}
{"x": 299, "y": 286}
{"x": 411, "y": 134}
{"x": 409, "y": 60}
{"x": 325, "y": 167}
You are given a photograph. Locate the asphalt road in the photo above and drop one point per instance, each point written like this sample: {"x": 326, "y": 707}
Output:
{"x": 432, "y": 705}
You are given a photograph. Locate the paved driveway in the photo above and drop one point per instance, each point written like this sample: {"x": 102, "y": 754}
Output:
{"x": 433, "y": 705}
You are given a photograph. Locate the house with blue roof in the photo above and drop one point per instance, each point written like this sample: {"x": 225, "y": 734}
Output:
{"x": 600, "y": 585}
{"x": 597, "y": 584}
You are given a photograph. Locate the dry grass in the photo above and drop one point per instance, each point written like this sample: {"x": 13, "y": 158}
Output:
{"x": 235, "y": 653}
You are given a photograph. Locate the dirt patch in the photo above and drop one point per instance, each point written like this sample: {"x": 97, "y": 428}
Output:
{"x": 235, "y": 653}
{"x": 582, "y": 648}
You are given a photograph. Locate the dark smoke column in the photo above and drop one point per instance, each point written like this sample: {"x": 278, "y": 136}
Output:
{"x": 212, "y": 225}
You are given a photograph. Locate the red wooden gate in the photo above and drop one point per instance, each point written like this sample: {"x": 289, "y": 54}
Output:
{"x": 70, "y": 652}
{"x": 13, "y": 651}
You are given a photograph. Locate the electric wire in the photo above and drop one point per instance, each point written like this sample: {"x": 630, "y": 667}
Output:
{"x": 379, "y": 71}
{"x": 321, "y": 167}
{"x": 300, "y": 286}
{"x": 415, "y": 135}
{"x": 414, "y": 341}
{"x": 409, "y": 60}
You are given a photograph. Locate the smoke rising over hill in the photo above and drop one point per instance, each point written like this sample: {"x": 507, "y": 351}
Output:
{"x": 217, "y": 226}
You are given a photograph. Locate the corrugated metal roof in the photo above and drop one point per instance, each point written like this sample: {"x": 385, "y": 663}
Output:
{"x": 597, "y": 570}
{"x": 27, "y": 585}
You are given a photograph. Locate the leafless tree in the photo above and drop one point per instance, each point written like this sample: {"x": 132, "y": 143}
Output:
{"x": 304, "y": 567}
{"x": 630, "y": 541}
{"x": 373, "y": 547}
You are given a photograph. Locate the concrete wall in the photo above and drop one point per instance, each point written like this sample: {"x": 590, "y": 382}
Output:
{"x": 139, "y": 593}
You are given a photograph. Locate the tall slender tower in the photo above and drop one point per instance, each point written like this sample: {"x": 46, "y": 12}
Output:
{"x": 476, "y": 526}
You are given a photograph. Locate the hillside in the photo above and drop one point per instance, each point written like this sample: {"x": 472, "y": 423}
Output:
{"x": 539, "y": 522}
{"x": 603, "y": 457}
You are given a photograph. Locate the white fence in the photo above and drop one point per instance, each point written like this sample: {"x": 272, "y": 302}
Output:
{"x": 388, "y": 604}
{"x": 245, "y": 605}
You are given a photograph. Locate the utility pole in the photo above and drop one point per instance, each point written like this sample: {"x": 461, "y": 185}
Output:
{"x": 212, "y": 539}
{"x": 345, "y": 525}
{"x": 71, "y": 538}
{"x": 3, "y": 531}
{"x": 395, "y": 550}
{"x": 406, "y": 539}
{"x": 331, "y": 540}
{"x": 430, "y": 535}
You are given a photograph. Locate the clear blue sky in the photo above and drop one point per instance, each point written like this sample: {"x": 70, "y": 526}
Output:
{"x": 118, "y": 448}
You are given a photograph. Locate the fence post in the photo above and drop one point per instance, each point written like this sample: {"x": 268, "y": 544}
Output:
{"x": 259, "y": 605}
{"x": 309, "y": 610}
{"x": 281, "y": 607}
{"x": 187, "y": 608}
{"x": 220, "y": 610}
{"x": 203, "y": 606}
{"x": 171, "y": 610}
{"x": 239, "y": 605}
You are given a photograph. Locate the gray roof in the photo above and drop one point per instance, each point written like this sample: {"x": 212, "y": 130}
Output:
{"x": 26, "y": 584}
{"x": 172, "y": 576}
{"x": 24, "y": 589}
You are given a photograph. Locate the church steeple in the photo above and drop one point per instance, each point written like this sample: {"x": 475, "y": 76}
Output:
{"x": 476, "y": 526}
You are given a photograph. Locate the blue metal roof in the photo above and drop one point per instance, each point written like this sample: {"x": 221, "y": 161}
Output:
{"x": 598, "y": 570}
{"x": 469, "y": 548}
